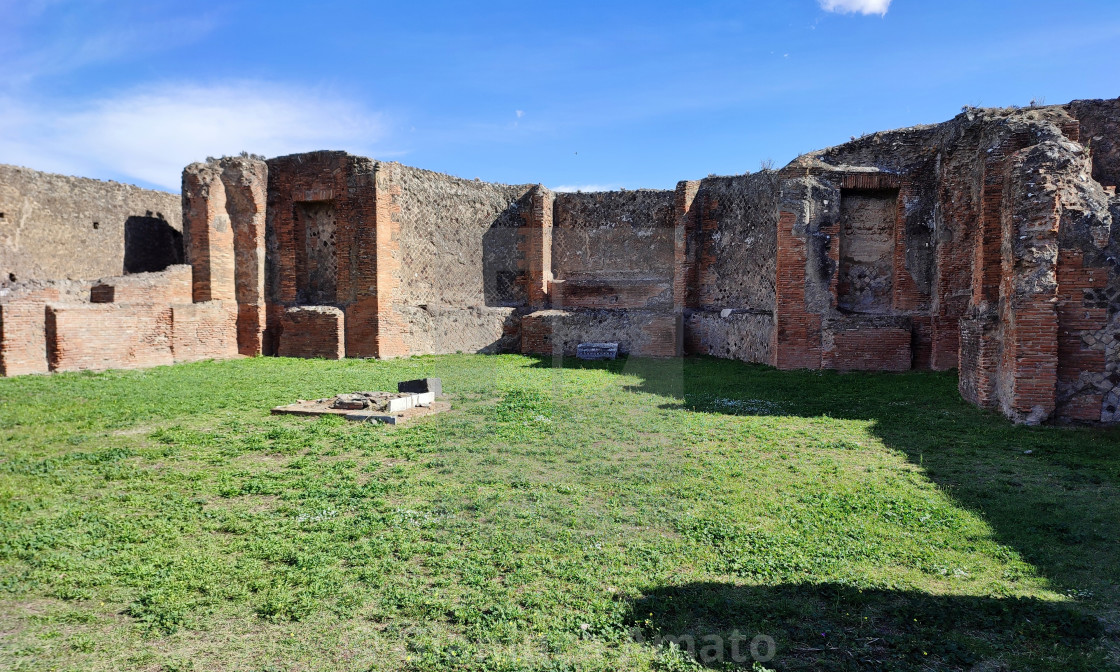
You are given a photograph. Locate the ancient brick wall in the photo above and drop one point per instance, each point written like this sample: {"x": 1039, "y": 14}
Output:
{"x": 437, "y": 329}
{"x": 976, "y": 255}
{"x": 736, "y": 241}
{"x": 246, "y": 189}
{"x": 78, "y": 337}
{"x": 23, "y": 338}
{"x": 54, "y": 227}
{"x": 867, "y": 344}
{"x": 108, "y": 336}
{"x": 618, "y": 262}
{"x": 129, "y": 303}
{"x": 224, "y": 205}
{"x": 730, "y": 334}
{"x": 535, "y": 246}
{"x": 804, "y": 269}
{"x": 324, "y": 237}
{"x": 169, "y": 286}
{"x": 206, "y": 330}
{"x": 1099, "y": 131}
{"x": 313, "y": 331}
{"x": 983, "y": 243}
{"x": 389, "y": 326}
{"x": 450, "y": 230}
{"x": 979, "y": 359}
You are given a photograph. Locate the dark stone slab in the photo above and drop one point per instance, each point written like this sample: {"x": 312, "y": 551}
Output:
{"x": 597, "y": 350}
{"x": 421, "y": 385}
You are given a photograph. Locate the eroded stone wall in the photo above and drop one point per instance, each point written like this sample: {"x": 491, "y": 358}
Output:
{"x": 463, "y": 267}
{"x": 730, "y": 233}
{"x": 984, "y": 243}
{"x": 1003, "y": 264}
{"x": 55, "y": 227}
{"x": 613, "y": 250}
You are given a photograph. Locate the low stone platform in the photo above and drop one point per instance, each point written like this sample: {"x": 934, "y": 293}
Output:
{"x": 373, "y": 413}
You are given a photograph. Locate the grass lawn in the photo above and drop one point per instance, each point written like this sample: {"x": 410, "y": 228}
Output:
{"x": 593, "y": 517}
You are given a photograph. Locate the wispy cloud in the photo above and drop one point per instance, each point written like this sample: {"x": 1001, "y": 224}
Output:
{"x": 150, "y": 134}
{"x": 40, "y": 38}
{"x": 856, "y": 6}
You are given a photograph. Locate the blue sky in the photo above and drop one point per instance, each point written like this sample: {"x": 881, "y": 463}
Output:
{"x": 572, "y": 95}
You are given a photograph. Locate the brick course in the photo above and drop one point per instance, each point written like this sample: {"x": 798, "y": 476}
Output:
{"x": 23, "y": 344}
{"x": 108, "y": 336}
{"x": 205, "y": 330}
{"x": 313, "y": 331}
{"x": 169, "y": 286}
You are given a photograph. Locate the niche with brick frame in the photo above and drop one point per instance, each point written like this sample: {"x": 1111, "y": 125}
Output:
{"x": 867, "y": 245}
{"x": 316, "y": 259}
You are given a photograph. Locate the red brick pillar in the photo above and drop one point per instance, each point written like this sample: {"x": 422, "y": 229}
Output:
{"x": 536, "y": 246}
{"x": 208, "y": 233}
{"x": 685, "y": 272}
{"x": 797, "y": 332}
{"x": 1030, "y": 218}
{"x": 391, "y": 328}
{"x": 246, "y": 184}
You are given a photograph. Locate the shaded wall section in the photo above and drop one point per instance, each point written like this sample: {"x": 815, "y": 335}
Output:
{"x": 613, "y": 250}
{"x": 730, "y": 255}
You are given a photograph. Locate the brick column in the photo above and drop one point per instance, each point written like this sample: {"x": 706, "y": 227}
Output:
{"x": 1030, "y": 219}
{"x": 390, "y": 339}
{"x": 246, "y": 184}
{"x": 797, "y": 333}
{"x": 535, "y": 243}
{"x": 684, "y": 255}
{"x": 208, "y": 233}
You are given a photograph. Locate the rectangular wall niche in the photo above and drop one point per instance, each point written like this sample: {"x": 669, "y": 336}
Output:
{"x": 867, "y": 226}
{"x": 316, "y": 260}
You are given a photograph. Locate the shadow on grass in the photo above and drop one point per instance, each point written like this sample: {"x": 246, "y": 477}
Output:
{"x": 835, "y": 627}
{"x": 1050, "y": 493}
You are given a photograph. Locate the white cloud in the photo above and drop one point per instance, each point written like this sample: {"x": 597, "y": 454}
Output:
{"x": 856, "y": 6}
{"x": 571, "y": 188}
{"x": 150, "y": 134}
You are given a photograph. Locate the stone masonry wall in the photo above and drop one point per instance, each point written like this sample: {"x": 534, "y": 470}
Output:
{"x": 730, "y": 255}
{"x": 737, "y": 239}
{"x": 169, "y": 286}
{"x": 1099, "y": 132}
{"x": 108, "y": 336}
{"x": 206, "y": 330}
{"x": 460, "y": 260}
{"x": 451, "y": 228}
{"x": 54, "y": 227}
{"x": 313, "y": 331}
{"x": 23, "y": 336}
{"x": 325, "y": 238}
{"x": 983, "y": 243}
{"x": 613, "y": 250}
{"x": 645, "y": 333}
